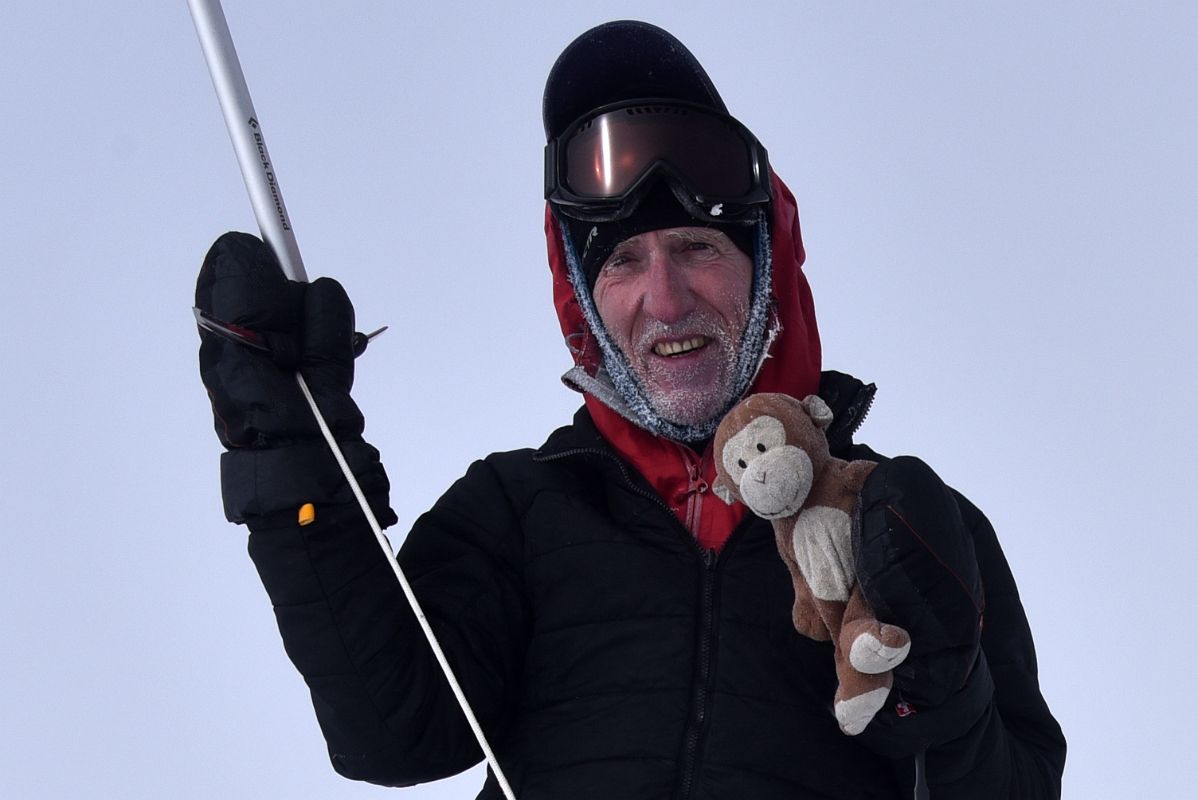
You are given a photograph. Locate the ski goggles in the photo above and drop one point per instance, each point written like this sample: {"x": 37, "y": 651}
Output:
{"x": 604, "y": 162}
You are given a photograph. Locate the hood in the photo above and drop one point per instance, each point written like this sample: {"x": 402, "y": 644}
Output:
{"x": 679, "y": 475}
{"x": 792, "y": 365}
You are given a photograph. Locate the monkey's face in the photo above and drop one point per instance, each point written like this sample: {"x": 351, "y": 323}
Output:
{"x": 771, "y": 477}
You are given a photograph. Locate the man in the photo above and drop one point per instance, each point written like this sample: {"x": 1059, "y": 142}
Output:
{"x": 619, "y": 631}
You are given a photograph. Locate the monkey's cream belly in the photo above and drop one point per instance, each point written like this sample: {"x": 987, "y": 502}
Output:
{"x": 823, "y": 546}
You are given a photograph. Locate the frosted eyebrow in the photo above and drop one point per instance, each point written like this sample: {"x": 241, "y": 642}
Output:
{"x": 705, "y": 235}
{"x": 622, "y": 249}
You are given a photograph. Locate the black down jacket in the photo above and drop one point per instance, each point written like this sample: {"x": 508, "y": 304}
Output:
{"x": 608, "y": 656}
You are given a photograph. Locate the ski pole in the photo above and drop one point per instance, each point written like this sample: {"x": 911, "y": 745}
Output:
{"x": 267, "y": 200}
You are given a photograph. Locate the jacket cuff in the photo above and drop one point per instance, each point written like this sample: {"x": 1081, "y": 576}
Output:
{"x": 264, "y": 483}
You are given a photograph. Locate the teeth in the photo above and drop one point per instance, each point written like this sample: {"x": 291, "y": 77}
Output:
{"x": 677, "y": 348}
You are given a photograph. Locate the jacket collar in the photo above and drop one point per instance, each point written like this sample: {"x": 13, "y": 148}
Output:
{"x": 849, "y": 398}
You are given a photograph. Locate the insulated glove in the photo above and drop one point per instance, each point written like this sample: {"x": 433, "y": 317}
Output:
{"x": 277, "y": 459}
{"x": 917, "y": 569}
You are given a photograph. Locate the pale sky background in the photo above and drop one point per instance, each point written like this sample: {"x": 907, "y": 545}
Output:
{"x": 998, "y": 203}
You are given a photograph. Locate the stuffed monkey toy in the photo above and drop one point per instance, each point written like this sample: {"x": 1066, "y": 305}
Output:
{"x": 772, "y": 455}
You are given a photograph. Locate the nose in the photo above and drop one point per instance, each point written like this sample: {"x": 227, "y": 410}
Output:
{"x": 668, "y": 297}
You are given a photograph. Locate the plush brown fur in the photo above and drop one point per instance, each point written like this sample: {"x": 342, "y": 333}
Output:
{"x": 771, "y": 454}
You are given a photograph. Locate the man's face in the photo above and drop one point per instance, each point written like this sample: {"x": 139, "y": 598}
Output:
{"x": 676, "y": 301}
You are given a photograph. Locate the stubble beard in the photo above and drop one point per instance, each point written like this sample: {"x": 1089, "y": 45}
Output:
{"x": 688, "y": 394}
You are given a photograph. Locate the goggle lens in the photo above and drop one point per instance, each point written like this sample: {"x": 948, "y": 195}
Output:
{"x": 601, "y": 165}
{"x": 609, "y": 153}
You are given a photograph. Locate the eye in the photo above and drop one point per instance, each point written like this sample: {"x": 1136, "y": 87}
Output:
{"x": 757, "y": 438}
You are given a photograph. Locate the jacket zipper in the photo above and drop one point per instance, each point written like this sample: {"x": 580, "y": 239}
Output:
{"x": 710, "y": 561}
{"x": 862, "y": 413}
{"x": 702, "y": 681}
{"x": 852, "y": 416}
{"x": 696, "y": 487}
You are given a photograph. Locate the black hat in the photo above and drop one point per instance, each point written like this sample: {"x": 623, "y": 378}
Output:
{"x": 627, "y": 60}
{"x": 622, "y": 60}
{"x": 595, "y": 241}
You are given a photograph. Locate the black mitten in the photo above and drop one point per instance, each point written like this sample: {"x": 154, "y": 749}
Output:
{"x": 277, "y": 459}
{"x": 917, "y": 569}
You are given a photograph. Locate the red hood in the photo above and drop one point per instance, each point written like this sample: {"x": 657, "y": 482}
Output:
{"x": 793, "y": 368}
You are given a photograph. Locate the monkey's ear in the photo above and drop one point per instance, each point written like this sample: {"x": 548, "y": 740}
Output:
{"x": 818, "y": 410}
{"x": 721, "y": 490}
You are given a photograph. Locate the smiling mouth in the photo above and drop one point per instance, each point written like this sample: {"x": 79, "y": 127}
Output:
{"x": 670, "y": 349}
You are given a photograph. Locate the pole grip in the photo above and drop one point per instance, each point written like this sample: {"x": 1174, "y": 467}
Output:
{"x": 245, "y": 131}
